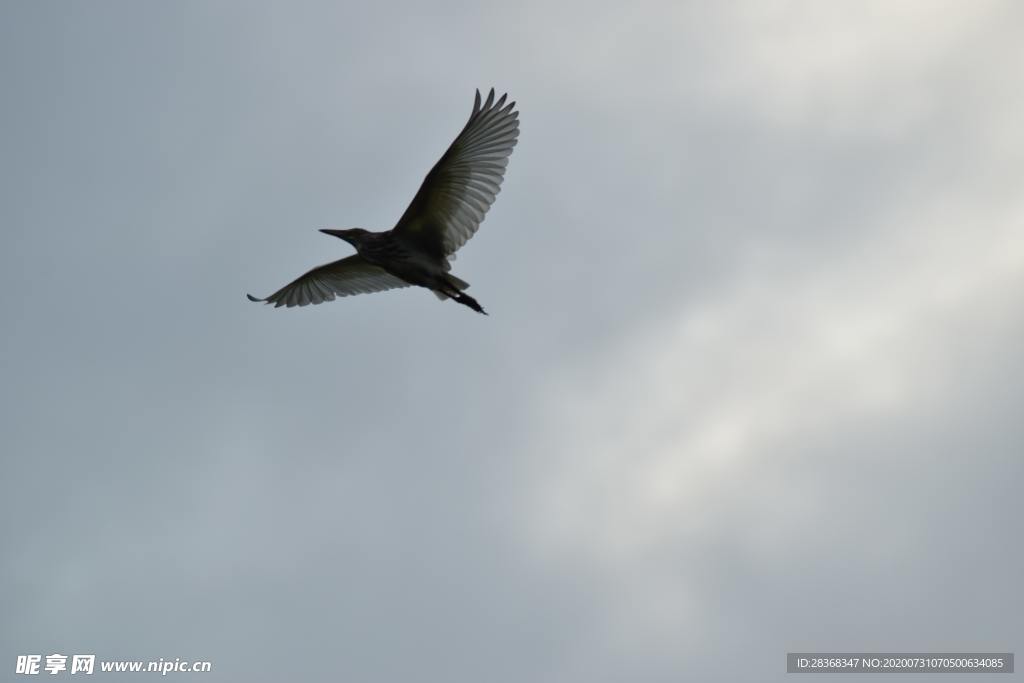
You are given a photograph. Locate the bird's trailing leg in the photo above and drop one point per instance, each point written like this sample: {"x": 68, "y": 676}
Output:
{"x": 448, "y": 291}
{"x": 450, "y": 287}
{"x": 467, "y": 300}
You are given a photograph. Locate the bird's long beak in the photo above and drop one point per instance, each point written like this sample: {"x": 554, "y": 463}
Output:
{"x": 335, "y": 233}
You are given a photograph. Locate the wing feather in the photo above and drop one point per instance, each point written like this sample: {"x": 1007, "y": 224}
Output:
{"x": 351, "y": 275}
{"x": 460, "y": 189}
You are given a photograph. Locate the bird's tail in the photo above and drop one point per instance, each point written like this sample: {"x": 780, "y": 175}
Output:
{"x": 452, "y": 281}
{"x": 458, "y": 282}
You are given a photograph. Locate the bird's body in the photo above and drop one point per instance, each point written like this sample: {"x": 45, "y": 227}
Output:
{"x": 444, "y": 214}
{"x": 398, "y": 255}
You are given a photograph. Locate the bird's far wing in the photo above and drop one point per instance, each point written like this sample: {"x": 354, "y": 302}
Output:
{"x": 350, "y": 275}
{"x": 458, "y": 191}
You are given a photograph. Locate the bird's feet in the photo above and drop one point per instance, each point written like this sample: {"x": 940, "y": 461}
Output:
{"x": 467, "y": 300}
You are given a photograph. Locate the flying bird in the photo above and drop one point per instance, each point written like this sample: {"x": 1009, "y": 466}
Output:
{"x": 446, "y": 211}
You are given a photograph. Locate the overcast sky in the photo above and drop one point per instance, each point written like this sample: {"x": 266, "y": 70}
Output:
{"x": 751, "y": 382}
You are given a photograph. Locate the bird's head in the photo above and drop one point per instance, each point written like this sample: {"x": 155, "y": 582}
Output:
{"x": 351, "y": 235}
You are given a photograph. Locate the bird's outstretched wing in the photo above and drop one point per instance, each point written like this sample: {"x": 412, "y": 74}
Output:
{"x": 350, "y": 275}
{"x": 458, "y": 191}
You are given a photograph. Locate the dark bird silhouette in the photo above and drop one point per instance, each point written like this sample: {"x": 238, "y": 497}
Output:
{"x": 448, "y": 209}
